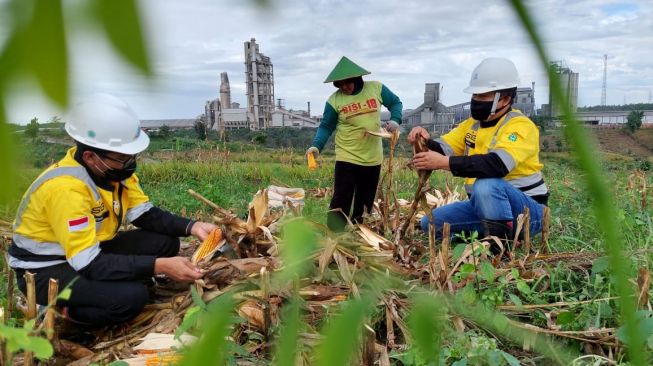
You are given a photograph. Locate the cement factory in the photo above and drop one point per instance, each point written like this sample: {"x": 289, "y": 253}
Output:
{"x": 262, "y": 113}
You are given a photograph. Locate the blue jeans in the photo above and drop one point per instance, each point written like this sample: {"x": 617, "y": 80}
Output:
{"x": 492, "y": 199}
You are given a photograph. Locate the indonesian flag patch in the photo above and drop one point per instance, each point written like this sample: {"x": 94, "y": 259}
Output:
{"x": 77, "y": 224}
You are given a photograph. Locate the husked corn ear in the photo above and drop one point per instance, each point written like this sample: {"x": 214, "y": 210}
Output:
{"x": 162, "y": 360}
{"x": 208, "y": 245}
{"x": 312, "y": 164}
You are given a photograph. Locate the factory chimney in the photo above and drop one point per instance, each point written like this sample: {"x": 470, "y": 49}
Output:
{"x": 225, "y": 91}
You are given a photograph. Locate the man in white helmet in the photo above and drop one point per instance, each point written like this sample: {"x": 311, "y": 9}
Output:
{"x": 497, "y": 151}
{"x": 67, "y": 224}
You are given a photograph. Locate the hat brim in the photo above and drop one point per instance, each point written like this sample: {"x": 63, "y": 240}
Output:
{"x": 139, "y": 145}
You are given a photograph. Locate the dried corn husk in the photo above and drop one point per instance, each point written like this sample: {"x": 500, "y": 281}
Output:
{"x": 252, "y": 312}
{"x": 258, "y": 210}
{"x": 158, "y": 343}
{"x": 212, "y": 243}
{"x": 375, "y": 240}
{"x": 380, "y": 133}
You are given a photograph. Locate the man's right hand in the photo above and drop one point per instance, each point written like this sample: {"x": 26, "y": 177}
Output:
{"x": 313, "y": 150}
{"x": 177, "y": 268}
{"x": 417, "y": 131}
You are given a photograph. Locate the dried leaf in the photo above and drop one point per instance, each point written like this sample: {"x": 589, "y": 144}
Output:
{"x": 380, "y": 133}
{"x": 373, "y": 239}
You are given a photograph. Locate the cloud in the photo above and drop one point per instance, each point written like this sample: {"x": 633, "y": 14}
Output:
{"x": 404, "y": 44}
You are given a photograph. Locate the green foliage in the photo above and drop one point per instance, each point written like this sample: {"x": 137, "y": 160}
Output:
{"x": 342, "y": 333}
{"x": 164, "y": 132}
{"x": 596, "y": 187}
{"x": 618, "y": 107}
{"x": 121, "y": 22}
{"x": 634, "y": 120}
{"x": 211, "y": 349}
{"x": 260, "y": 138}
{"x": 427, "y": 322}
{"x": 32, "y": 129}
{"x": 21, "y": 339}
{"x": 287, "y": 343}
{"x": 37, "y": 47}
{"x": 200, "y": 127}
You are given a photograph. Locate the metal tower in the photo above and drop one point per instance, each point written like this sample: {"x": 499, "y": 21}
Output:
{"x": 605, "y": 77}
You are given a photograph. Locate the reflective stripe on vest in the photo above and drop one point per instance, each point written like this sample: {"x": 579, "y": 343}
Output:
{"x": 81, "y": 259}
{"x": 17, "y": 263}
{"x": 74, "y": 171}
{"x": 136, "y": 212}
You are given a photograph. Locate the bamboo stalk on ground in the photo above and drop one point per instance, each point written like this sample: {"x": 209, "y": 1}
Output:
{"x": 444, "y": 252}
{"x": 10, "y": 291}
{"x": 527, "y": 230}
{"x": 53, "y": 292}
{"x": 211, "y": 204}
{"x": 643, "y": 285}
{"x": 389, "y": 180}
{"x": 369, "y": 346}
{"x": 3, "y": 347}
{"x": 546, "y": 224}
{"x": 418, "y": 147}
{"x": 31, "y": 310}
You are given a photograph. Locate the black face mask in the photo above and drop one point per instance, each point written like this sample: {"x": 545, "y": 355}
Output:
{"x": 118, "y": 175}
{"x": 480, "y": 110}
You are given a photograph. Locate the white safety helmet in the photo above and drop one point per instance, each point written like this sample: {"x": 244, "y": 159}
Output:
{"x": 105, "y": 122}
{"x": 494, "y": 73}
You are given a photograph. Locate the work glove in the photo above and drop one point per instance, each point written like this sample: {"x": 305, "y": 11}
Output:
{"x": 391, "y": 126}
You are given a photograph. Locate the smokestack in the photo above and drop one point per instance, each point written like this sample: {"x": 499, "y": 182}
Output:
{"x": 309, "y": 109}
{"x": 225, "y": 91}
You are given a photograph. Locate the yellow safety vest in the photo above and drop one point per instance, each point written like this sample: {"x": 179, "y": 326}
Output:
{"x": 64, "y": 215}
{"x": 515, "y": 138}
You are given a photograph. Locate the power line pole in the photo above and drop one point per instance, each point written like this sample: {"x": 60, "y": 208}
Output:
{"x": 605, "y": 77}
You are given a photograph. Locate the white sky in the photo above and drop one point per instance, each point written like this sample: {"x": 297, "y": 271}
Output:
{"x": 403, "y": 43}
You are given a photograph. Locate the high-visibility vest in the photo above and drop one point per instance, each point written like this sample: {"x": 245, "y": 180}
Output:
{"x": 356, "y": 115}
{"x": 515, "y": 139}
{"x": 64, "y": 216}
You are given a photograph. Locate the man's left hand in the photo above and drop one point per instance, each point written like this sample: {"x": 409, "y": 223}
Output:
{"x": 430, "y": 160}
{"x": 391, "y": 126}
{"x": 201, "y": 230}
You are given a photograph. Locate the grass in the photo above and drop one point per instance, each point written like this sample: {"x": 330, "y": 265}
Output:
{"x": 230, "y": 180}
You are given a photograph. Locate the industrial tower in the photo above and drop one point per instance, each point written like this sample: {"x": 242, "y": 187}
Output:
{"x": 569, "y": 81}
{"x": 260, "y": 86}
{"x": 605, "y": 78}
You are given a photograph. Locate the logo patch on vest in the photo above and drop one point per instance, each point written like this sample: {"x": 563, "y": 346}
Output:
{"x": 470, "y": 139}
{"x": 77, "y": 224}
{"x": 512, "y": 137}
{"x": 99, "y": 212}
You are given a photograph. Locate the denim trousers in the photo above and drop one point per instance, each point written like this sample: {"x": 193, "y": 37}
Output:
{"x": 491, "y": 199}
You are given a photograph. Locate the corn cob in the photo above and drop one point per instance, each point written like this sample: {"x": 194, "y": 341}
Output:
{"x": 162, "y": 360}
{"x": 209, "y": 246}
{"x": 312, "y": 163}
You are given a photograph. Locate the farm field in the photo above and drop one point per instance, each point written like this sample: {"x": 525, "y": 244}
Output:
{"x": 561, "y": 296}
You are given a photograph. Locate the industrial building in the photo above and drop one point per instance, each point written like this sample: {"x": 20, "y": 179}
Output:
{"x": 260, "y": 86}
{"x": 221, "y": 114}
{"x": 569, "y": 82}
